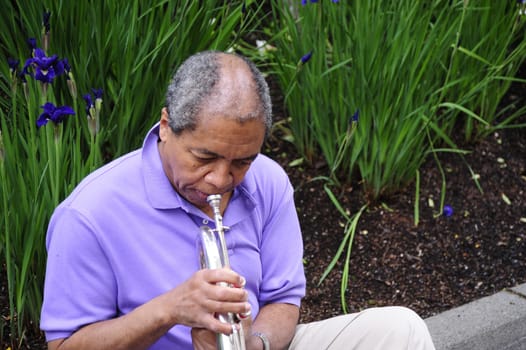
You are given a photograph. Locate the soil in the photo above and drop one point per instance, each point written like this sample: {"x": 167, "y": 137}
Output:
{"x": 441, "y": 263}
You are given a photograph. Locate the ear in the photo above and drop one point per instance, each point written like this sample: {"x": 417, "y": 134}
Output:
{"x": 164, "y": 128}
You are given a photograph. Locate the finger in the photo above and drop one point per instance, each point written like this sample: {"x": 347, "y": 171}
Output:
{"x": 225, "y": 293}
{"x": 223, "y": 307}
{"x": 244, "y": 315}
{"x": 223, "y": 275}
{"x": 241, "y": 284}
{"x": 212, "y": 324}
{"x": 224, "y": 327}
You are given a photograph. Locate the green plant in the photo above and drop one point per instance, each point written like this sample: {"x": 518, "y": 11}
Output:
{"x": 383, "y": 59}
{"x": 41, "y": 162}
{"x": 374, "y": 88}
{"x": 128, "y": 51}
{"x": 489, "y": 49}
{"x": 131, "y": 48}
{"x": 351, "y": 222}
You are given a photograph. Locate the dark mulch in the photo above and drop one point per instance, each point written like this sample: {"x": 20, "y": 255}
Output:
{"x": 441, "y": 263}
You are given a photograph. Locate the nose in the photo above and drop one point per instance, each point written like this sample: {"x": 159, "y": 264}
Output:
{"x": 220, "y": 176}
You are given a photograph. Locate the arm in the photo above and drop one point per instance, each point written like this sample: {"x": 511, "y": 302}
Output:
{"x": 136, "y": 330}
{"x": 193, "y": 303}
{"x": 278, "y": 322}
{"x": 281, "y": 252}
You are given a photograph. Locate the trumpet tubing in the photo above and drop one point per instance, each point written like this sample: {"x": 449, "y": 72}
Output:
{"x": 213, "y": 254}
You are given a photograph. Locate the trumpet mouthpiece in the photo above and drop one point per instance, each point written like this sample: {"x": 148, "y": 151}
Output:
{"x": 214, "y": 199}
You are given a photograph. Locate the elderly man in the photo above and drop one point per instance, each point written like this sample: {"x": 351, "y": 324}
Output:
{"x": 123, "y": 269}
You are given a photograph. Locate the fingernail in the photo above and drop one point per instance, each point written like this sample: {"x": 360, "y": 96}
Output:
{"x": 242, "y": 282}
{"x": 247, "y": 313}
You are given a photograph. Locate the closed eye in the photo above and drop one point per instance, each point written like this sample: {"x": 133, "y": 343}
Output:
{"x": 204, "y": 159}
{"x": 243, "y": 162}
{"x": 205, "y": 156}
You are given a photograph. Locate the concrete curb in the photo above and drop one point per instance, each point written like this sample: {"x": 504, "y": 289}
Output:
{"x": 496, "y": 322}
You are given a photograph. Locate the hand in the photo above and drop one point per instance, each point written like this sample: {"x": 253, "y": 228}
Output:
{"x": 194, "y": 302}
{"x": 203, "y": 339}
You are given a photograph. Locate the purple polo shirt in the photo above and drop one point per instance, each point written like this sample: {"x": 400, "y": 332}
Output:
{"x": 125, "y": 236}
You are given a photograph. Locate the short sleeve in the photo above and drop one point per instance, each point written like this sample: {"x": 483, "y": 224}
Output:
{"x": 79, "y": 287}
{"x": 282, "y": 250}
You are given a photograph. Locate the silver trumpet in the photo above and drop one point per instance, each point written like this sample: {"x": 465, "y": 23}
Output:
{"x": 213, "y": 254}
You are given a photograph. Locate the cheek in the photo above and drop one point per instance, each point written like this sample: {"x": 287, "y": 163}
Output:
{"x": 184, "y": 172}
{"x": 189, "y": 175}
{"x": 239, "y": 175}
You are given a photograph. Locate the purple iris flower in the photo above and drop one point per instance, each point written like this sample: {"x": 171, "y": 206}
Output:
{"x": 46, "y": 68}
{"x": 13, "y": 64}
{"x": 303, "y": 2}
{"x": 56, "y": 114}
{"x": 97, "y": 93}
{"x": 447, "y": 211}
{"x": 335, "y": 1}
{"x": 25, "y": 70}
{"x": 45, "y": 21}
{"x": 13, "y": 68}
{"x": 93, "y": 109}
{"x": 67, "y": 67}
{"x": 89, "y": 104}
{"x": 354, "y": 117}
{"x": 22, "y": 77}
{"x": 305, "y": 58}
{"x": 32, "y": 42}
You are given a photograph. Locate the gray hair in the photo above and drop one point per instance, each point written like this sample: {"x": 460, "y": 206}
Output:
{"x": 195, "y": 80}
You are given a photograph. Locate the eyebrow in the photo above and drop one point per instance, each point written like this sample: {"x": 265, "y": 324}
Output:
{"x": 213, "y": 154}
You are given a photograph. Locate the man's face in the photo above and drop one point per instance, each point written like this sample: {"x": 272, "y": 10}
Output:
{"x": 213, "y": 158}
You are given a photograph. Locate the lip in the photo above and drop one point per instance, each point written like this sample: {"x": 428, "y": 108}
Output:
{"x": 201, "y": 196}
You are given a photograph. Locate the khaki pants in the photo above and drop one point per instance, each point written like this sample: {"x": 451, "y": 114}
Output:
{"x": 382, "y": 328}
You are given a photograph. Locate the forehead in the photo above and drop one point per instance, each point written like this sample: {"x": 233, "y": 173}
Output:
{"x": 231, "y": 117}
{"x": 226, "y": 137}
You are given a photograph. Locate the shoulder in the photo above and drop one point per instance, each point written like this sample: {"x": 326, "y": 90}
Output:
{"x": 268, "y": 183}
{"x": 105, "y": 196}
{"x": 118, "y": 176}
{"x": 265, "y": 167}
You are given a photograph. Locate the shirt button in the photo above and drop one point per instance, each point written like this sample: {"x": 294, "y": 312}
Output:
{"x": 205, "y": 222}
